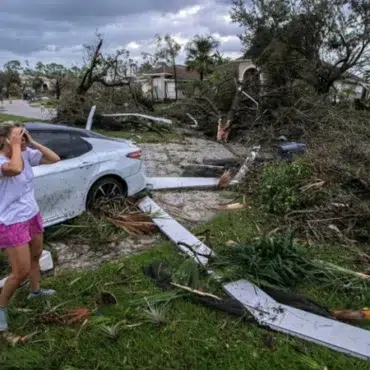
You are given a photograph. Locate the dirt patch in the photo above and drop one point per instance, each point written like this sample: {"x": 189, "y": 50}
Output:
{"x": 192, "y": 207}
{"x": 72, "y": 256}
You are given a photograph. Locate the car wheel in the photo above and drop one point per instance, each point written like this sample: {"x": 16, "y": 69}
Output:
{"x": 105, "y": 189}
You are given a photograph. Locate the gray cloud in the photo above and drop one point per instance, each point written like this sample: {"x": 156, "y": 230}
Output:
{"x": 83, "y": 11}
{"x": 231, "y": 45}
{"x": 54, "y": 30}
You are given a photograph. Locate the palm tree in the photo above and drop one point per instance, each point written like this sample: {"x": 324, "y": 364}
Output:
{"x": 219, "y": 59}
{"x": 199, "y": 54}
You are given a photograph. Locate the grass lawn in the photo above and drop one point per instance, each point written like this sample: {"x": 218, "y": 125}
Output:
{"x": 50, "y": 103}
{"x": 142, "y": 136}
{"x": 9, "y": 117}
{"x": 192, "y": 337}
{"x": 46, "y": 104}
{"x": 35, "y": 105}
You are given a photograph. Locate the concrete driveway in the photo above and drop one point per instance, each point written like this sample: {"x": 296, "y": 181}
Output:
{"x": 22, "y": 108}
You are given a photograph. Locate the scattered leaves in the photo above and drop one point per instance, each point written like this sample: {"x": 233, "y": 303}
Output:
{"x": 69, "y": 317}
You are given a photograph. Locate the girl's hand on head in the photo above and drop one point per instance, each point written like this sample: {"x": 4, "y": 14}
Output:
{"x": 16, "y": 136}
{"x": 28, "y": 137}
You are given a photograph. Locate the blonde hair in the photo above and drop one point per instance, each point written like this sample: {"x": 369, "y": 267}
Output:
{"x": 5, "y": 130}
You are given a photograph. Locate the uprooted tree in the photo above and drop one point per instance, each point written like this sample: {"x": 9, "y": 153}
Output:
{"x": 219, "y": 102}
{"x": 299, "y": 47}
{"x": 316, "y": 41}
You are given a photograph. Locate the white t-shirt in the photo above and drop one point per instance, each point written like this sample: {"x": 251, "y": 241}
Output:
{"x": 17, "y": 196}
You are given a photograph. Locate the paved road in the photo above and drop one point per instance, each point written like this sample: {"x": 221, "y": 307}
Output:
{"x": 22, "y": 108}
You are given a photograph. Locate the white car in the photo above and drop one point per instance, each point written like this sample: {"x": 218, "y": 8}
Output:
{"x": 92, "y": 165}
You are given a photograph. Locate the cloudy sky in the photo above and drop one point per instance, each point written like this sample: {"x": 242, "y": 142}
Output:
{"x": 55, "y": 30}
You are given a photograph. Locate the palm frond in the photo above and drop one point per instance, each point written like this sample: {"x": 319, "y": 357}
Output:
{"x": 156, "y": 315}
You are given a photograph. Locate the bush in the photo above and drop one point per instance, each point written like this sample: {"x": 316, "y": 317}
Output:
{"x": 280, "y": 186}
{"x": 279, "y": 261}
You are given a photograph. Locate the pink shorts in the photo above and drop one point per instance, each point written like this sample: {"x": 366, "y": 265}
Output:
{"x": 15, "y": 235}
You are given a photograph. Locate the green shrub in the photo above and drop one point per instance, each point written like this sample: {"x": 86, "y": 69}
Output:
{"x": 277, "y": 261}
{"x": 280, "y": 185}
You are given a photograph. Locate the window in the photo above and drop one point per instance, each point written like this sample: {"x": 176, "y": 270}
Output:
{"x": 64, "y": 143}
{"x": 79, "y": 146}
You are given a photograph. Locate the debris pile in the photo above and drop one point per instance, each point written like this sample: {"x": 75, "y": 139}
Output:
{"x": 108, "y": 222}
{"x": 331, "y": 140}
{"x": 134, "y": 223}
{"x": 68, "y": 317}
{"x": 125, "y": 214}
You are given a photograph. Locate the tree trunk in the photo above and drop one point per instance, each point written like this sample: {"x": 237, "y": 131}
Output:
{"x": 201, "y": 73}
{"x": 7, "y": 90}
{"x": 84, "y": 88}
{"x": 57, "y": 90}
{"x": 224, "y": 128}
{"x": 323, "y": 87}
{"x": 322, "y": 82}
{"x": 235, "y": 103}
{"x": 81, "y": 91}
{"x": 175, "y": 75}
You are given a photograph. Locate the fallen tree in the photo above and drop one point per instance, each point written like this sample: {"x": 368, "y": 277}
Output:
{"x": 216, "y": 105}
{"x": 325, "y": 195}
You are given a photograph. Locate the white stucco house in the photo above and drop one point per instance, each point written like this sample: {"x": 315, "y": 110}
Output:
{"x": 160, "y": 83}
{"x": 241, "y": 67}
{"x": 26, "y": 80}
{"x": 351, "y": 88}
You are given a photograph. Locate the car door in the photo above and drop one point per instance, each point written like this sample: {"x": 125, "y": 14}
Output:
{"x": 61, "y": 188}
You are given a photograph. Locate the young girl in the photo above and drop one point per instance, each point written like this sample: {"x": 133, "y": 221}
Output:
{"x": 21, "y": 229}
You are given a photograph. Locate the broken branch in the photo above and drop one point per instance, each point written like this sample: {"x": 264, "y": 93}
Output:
{"x": 165, "y": 120}
{"x": 245, "y": 168}
{"x": 193, "y": 119}
{"x": 198, "y": 292}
